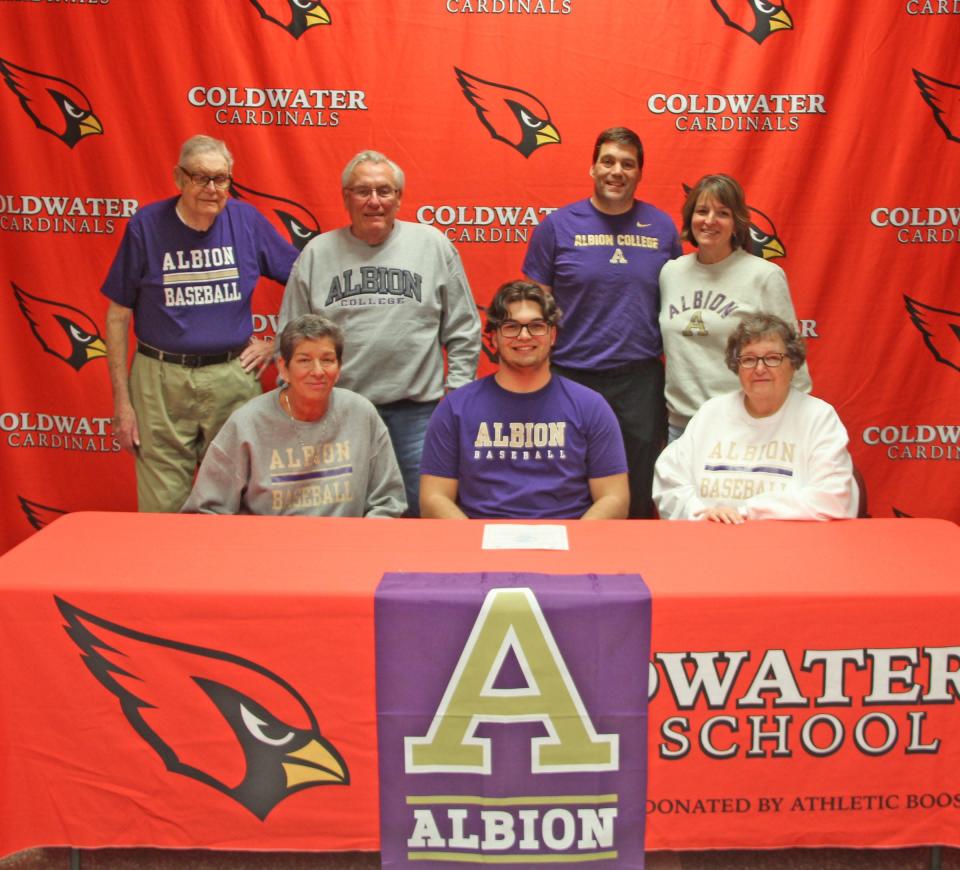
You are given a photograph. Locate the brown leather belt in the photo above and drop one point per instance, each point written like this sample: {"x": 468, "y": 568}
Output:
{"x": 192, "y": 360}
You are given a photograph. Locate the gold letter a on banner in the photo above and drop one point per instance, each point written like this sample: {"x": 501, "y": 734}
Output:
{"x": 511, "y": 621}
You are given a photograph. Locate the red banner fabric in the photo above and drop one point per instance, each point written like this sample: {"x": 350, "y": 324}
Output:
{"x": 191, "y": 681}
{"x": 842, "y": 127}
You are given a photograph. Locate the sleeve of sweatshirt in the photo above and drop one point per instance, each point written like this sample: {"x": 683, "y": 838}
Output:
{"x": 296, "y": 294}
{"x": 223, "y": 475}
{"x": 459, "y": 322}
{"x": 675, "y": 481}
{"x": 386, "y": 496}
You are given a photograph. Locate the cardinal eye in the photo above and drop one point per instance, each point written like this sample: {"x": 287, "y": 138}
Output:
{"x": 304, "y": 4}
{"x": 72, "y": 110}
{"x": 758, "y": 237}
{"x": 531, "y": 121}
{"x": 765, "y": 8}
{"x": 258, "y": 728}
{"x": 79, "y": 334}
{"x": 301, "y": 231}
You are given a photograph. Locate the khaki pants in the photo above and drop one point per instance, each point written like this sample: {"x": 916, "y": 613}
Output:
{"x": 179, "y": 412}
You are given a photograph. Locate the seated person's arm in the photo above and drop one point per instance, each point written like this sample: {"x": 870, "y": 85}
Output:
{"x": 674, "y": 483}
{"x": 385, "y": 493}
{"x": 219, "y": 486}
{"x": 438, "y": 498}
{"x": 611, "y": 498}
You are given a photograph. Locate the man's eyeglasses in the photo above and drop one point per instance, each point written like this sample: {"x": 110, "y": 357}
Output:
{"x": 384, "y": 194}
{"x": 770, "y": 360}
{"x": 220, "y": 182}
{"x": 535, "y": 328}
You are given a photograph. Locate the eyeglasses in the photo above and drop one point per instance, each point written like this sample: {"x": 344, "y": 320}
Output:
{"x": 220, "y": 182}
{"x": 384, "y": 194}
{"x": 535, "y": 328}
{"x": 770, "y": 360}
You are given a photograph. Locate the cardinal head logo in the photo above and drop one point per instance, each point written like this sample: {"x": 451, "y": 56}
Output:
{"x": 62, "y": 330}
{"x": 55, "y": 105}
{"x": 294, "y": 16}
{"x": 764, "y": 239}
{"x": 39, "y": 515}
{"x": 940, "y": 328}
{"x": 510, "y": 115}
{"x": 944, "y": 100}
{"x": 757, "y": 19}
{"x": 215, "y": 717}
{"x": 296, "y": 220}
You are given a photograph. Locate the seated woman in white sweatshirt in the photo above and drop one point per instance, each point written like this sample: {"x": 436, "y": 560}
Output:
{"x": 765, "y": 451}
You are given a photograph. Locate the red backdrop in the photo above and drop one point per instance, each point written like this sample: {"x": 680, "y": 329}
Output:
{"x": 842, "y": 125}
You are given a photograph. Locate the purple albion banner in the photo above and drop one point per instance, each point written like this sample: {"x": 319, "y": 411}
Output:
{"x": 512, "y": 718}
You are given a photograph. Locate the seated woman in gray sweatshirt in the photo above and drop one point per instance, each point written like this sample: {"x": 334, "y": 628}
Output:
{"x": 304, "y": 448}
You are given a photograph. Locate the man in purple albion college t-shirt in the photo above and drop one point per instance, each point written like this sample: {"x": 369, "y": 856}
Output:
{"x": 524, "y": 443}
{"x": 601, "y": 258}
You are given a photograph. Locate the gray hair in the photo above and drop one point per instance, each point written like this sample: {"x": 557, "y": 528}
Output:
{"x": 201, "y": 144}
{"x": 371, "y": 157}
{"x": 308, "y": 327}
{"x": 762, "y": 325}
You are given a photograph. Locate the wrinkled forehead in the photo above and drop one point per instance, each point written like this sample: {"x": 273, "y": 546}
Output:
{"x": 315, "y": 347}
{"x": 372, "y": 175}
{"x": 771, "y": 342}
{"x": 207, "y": 162}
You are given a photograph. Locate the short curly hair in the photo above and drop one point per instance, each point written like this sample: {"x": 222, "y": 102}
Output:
{"x": 518, "y": 291}
{"x": 763, "y": 325}
{"x": 308, "y": 327}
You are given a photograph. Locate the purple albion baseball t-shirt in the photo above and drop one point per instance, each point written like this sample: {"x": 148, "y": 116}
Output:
{"x": 523, "y": 455}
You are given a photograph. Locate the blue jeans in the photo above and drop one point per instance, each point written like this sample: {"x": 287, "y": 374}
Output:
{"x": 407, "y": 424}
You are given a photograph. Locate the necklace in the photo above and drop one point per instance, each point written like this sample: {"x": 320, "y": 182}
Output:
{"x": 285, "y": 398}
{"x": 318, "y": 428}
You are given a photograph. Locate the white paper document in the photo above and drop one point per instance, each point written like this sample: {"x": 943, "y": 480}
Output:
{"x": 509, "y": 536}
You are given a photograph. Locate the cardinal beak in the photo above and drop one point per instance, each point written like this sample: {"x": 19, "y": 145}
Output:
{"x": 318, "y": 15}
{"x": 89, "y": 125}
{"x": 314, "y": 763}
{"x": 96, "y": 348}
{"x": 773, "y": 249}
{"x": 781, "y": 21}
{"x": 547, "y": 134}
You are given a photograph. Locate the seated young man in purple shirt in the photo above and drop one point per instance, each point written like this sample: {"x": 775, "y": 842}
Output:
{"x": 523, "y": 443}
